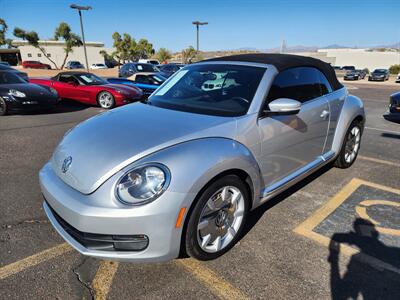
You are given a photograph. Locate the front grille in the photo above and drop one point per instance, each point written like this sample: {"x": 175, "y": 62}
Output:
{"x": 103, "y": 242}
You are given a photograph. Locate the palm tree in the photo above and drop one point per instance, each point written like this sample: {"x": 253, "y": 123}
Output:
{"x": 188, "y": 55}
{"x": 163, "y": 55}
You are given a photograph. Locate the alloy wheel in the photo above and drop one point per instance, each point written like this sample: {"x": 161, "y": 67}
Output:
{"x": 352, "y": 144}
{"x": 220, "y": 219}
{"x": 106, "y": 100}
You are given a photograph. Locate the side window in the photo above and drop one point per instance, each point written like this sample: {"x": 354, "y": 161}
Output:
{"x": 324, "y": 84}
{"x": 301, "y": 84}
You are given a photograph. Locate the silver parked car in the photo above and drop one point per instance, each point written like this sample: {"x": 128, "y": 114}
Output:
{"x": 183, "y": 169}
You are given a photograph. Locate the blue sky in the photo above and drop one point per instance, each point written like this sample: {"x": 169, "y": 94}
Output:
{"x": 232, "y": 24}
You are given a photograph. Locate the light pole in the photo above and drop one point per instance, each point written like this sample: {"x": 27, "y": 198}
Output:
{"x": 79, "y": 9}
{"x": 198, "y": 24}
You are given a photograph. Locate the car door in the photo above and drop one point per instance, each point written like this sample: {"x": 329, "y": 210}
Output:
{"x": 67, "y": 86}
{"x": 290, "y": 143}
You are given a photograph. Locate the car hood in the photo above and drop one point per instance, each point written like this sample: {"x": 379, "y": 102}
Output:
{"x": 29, "y": 89}
{"x": 122, "y": 87}
{"x": 106, "y": 143}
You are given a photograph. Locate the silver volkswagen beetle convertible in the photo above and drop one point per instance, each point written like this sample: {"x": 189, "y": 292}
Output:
{"x": 181, "y": 171}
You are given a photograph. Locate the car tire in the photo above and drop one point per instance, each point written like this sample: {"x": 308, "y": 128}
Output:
{"x": 3, "y": 107}
{"x": 105, "y": 100}
{"x": 351, "y": 146}
{"x": 211, "y": 231}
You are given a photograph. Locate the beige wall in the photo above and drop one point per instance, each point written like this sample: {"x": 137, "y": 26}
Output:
{"x": 361, "y": 58}
{"x": 57, "y": 54}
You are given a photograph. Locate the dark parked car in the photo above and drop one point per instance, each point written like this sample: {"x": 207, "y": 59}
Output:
{"x": 355, "y": 74}
{"x": 169, "y": 69}
{"x": 351, "y": 75}
{"x": 34, "y": 64}
{"x": 379, "y": 75}
{"x": 131, "y": 68}
{"x": 23, "y": 75}
{"x": 17, "y": 94}
{"x": 73, "y": 64}
{"x": 147, "y": 82}
{"x": 393, "y": 113}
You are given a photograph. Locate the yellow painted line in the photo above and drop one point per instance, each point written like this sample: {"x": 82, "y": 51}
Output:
{"x": 379, "y": 161}
{"x": 306, "y": 228}
{"x": 33, "y": 260}
{"x": 215, "y": 283}
{"x": 104, "y": 277}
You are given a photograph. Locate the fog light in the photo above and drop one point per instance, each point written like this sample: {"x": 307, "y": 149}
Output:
{"x": 131, "y": 242}
{"x": 29, "y": 102}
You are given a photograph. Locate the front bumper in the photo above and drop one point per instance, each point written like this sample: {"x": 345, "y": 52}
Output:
{"x": 28, "y": 105}
{"x": 376, "y": 78}
{"x": 155, "y": 220}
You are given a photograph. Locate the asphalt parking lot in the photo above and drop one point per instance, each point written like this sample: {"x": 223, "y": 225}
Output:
{"x": 287, "y": 252}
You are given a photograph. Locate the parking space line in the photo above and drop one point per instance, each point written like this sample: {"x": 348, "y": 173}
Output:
{"x": 104, "y": 277}
{"x": 379, "y": 161}
{"x": 33, "y": 260}
{"x": 215, "y": 283}
{"x": 382, "y": 130}
{"x": 306, "y": 228}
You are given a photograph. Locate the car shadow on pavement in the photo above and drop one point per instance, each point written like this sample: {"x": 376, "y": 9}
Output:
{"x": 255, "y": 215}
{"x": 363, "y": 279}
{"x": 391, "y": 135}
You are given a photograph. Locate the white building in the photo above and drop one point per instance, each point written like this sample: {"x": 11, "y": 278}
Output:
{"x": 55, "y": 51}
{"x": 359, "y": 58}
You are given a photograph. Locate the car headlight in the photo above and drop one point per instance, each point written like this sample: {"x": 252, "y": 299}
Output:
{"x": 143, "y": 184}
{"x": 16, "y": 93}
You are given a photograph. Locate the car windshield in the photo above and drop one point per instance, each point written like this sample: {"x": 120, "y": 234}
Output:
{"x": 215, "y": 89}
{"x": 90, "y": 79}
{"x": 380, "y": 71}
{"x": 10, "y": 78}
{"x": 146, "y": 68}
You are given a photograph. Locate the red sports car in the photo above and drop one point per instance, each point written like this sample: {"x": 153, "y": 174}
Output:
{"x": 34, "y": 64}
{"x": 91, "y": 89}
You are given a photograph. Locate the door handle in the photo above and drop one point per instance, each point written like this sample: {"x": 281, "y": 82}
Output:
{"x": 324, "y": 114}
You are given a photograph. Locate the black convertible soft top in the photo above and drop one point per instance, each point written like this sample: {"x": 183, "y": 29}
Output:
{"x": 286, "y": 61}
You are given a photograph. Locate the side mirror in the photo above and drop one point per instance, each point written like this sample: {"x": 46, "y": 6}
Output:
{"x": 283, "y": 106}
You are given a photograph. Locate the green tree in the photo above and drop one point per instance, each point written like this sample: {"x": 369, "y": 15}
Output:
{"x": 163, "y": 55}
{"x": 33, "y": 39}
{"x": 3, "y": 31}
{"x": 144, "y": 48}
{"x": 63, "y": 32}
{"x": 127, "y": 49}
{"x": 394, "y": 69}
{"x": 188, "y": 55}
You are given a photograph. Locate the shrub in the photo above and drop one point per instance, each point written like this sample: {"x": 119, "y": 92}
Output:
{"x": 394, "y": 69}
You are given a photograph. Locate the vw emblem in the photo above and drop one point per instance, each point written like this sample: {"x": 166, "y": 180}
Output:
{"x": 66, "y": 164}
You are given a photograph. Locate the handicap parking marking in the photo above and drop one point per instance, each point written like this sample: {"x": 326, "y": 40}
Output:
{"x": 364, "y": 219}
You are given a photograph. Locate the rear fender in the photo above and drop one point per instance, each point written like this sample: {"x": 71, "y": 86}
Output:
{"x": 352, "y": 108}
